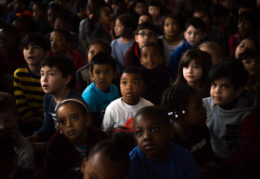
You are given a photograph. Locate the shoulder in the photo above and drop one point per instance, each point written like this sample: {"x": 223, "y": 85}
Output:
{"x": 145, "y": 102}
{"x": 21, "y": 71}
{"x": 74, "y": 94}
{"x": 90, "y": 89}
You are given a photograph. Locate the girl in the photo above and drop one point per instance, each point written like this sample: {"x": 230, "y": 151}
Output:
{"x": 109, "y": 159}
{"x": 188, "y": 119}
{"x": 171, "y": 38}
{"x": 75, "y": 137}
{"x": 245, "y": 44}
{"x": 193, "y": 70}
{"x": 214, "y": 49}
{"x": 124, "y": 27}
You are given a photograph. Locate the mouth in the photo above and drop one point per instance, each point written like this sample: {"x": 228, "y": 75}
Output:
{"x": 129, "y": 94}
{"x": 44, "y": 86}
{"x": 148, "y": 146}
{"x": 71, "y": 133}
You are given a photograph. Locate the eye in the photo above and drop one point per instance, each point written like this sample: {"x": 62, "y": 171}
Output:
{"x": 134, "y": 82}
{"x": 74, "y": 117}
{"x": 123, "y": 83}
{"x": 224, "y": 86}
{"x": 51, "y": 74}
{"x": 139, "y": 133}
{"x": 213, "y": 85}
{"x": 154, "y": 129}
{"x": 42, "y": 74}
{"x": 62, "y": 121}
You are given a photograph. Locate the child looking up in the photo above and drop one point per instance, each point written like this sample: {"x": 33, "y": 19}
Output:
{"x": 56, "y": 81}
{"x": 194, "y": 33}
{"x": 193, "y": 70}
{"x": 145, "y": 33}
{"x": 83, "y": 74}
{"x": 145, "y": 18}
{"x": 188, "y": 118}
{"x": 27, "y": 87}
{"x": 157, "y": 75}
{"x": 154, "y": 156}
{"x": 109, "y": 159}
{"x": 72, "y": 142}
{"x": 214, "y": 49}
{"x": 101, "y": 91}
{"x": 119, "y": 111}
{"x": 171, "y": 37}
{"x": 231, "y": 122}
{"x": 124, "y": 28}
{"x": 245, "y": 44}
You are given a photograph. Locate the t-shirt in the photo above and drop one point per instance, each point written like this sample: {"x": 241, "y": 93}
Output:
{"x": 178, "y": 165}
{"x": 118, "y": 112}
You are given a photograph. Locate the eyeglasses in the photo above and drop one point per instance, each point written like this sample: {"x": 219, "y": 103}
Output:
{"x": 142, "y": 34}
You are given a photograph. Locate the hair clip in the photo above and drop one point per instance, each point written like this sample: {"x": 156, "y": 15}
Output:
{"x": 183, "y": 112}
{"x": 170, "y": 113}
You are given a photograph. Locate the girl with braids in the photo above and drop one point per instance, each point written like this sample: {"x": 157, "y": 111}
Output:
{"x": 188, "y": 119}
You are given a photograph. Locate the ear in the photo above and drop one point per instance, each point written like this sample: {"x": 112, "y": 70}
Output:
{"x": 88, "y": 120}
{"x": 141, "y": 60}
{"x": 136, "y": 38}
{"x": 83, "y": 164}
{"x": 67, "y": 79}
{"x": 184, "y": 34}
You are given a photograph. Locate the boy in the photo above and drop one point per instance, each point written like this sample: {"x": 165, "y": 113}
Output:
{"x": 154, "y": 156}
{"x": 9, "y": 131}
{"x": 157, "y": 75}
{"x": 56, "y": 81}
{"x": 145, "y": 33}
{"x": 194, "y": 33}
{"x": 27, "y": 88}
{"x": 231, "y": 122}
{"x": 101, "y": 91}
{"x": 119, "y": 111}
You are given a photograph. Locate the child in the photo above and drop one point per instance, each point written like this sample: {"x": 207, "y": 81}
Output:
{"x": 193, "y": 70}
{"x": 119, "y": 111}
{"x": 171, "y": 37}
{"x": 124, "y": 27}
{"x": 214, "y": 49}
{"x": 109, "y": 159}
{"x": 155, "y": 10}
{"x": 72, "y": 142}
{"x": 145, "y": 18}
{"x": 145, "y": 33}
{"x": 56, "y": 81}
{"x": 60, "y": 44}
{"x": 185, "y": 109}
{"x": 27, "y": 88}
{"x": 245, "y": 44}
{"x": 9, "y": 131}
{"x": 154, "y": 156}
{"x": 157, "y": 75}
{"x": 101, "y": 91}
{"x": 231, "y": 122}
{"x": 83, "y": 74}
{"x": 194, "y": 33}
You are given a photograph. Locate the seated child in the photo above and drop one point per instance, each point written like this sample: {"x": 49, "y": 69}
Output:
{"x": 231, "y": 122}
{"x": 243, "y": 45}
{"x": 27, "y": 87}
{"x": 56, "y": 81}
{"x": 155, "y": 9}
{"x": 188, "y": 118}
{"x": 145, "y": 33}
{"x": 9, "y": 131}
{"x": 119, "y": 111}
{"x": 72, "y": 142}
{"x": 109, "y": 159}
{"x": 194, "y": 33}
{"x": 101, "y": 91}
{"x": 154, "y": 156}
{"x": 145, "y": 18}
{"x": 214, "y": 49}
{"x": 157, "y": 75}
{"x": 193, "y": 71}
{"x": 83, "y": 74}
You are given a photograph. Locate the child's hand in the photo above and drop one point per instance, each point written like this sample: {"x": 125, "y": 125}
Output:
{"x": 33, "y": 138}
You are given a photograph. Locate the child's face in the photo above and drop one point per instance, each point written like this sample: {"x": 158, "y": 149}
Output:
{"x": 203, "y": 16}
{"x": 251, "y": 65}
{"x": 33, "y": 55}
{"x": 106, "y": 16}
{"x": 144, "y": 18}
{"x": 223, "y": 92}
{"x": 59, "y": 44}
{"x": 131, "y": 86}
{"x": 154, "y": 11}
{"x": 102, "y": 75}
{"x": 119, "y": 28}
{"x": 145, "y": 36}
{"x": 244, "y": 27}
{"x": 52, "y": 80}
{"x": 193, "y": 35}
{"x": 150, "y": 57}
{"x": 37, "y": 12}
{"x": 93, "y": 50}
{"x": 246, "y": 44}
{"x": 152, "y": 137}
{"x": 72, "y": 123}
{"x": 101, "y": 167}
{"x": 171, "y": 27}
{"x": 140, "y": 8}
{"x": 192, "y": 73}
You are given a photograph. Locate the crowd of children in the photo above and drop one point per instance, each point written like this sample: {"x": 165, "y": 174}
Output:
{"x": 129, "y": 89}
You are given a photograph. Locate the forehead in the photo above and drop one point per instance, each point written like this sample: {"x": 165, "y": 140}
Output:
{"x": 96, "y": 47}
{"x": 146, "y": 120}
{"x": 145, "y": 31}
{"x": 68, "y": 109}
{"x": 57, "y": 35}
{"x": 223, "y": 80}
{"x": 102, "y": 67}
{"x": 134, "y": 76}
{"x": 192, "y": 28}
{"x": 150, "y": 49}
{"x": 47, "y": 68}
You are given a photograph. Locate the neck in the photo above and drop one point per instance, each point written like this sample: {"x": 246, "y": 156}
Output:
{"x": 82, "y": 139}
{"x": 35, "y": 69}
{"x": 194, "y": 84}
{"x": 184, "y": 131}
{"x": 61, "y": 94}
{"x": 125, "y": 39}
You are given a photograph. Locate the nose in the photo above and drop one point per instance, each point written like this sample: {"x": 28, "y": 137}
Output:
{"x": 68, "y": 123}
{"x": 44, "y": 78}
{"x": 147, "y": 135}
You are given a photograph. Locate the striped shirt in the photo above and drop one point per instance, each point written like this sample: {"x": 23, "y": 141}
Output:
{"x": 28, "y": 93}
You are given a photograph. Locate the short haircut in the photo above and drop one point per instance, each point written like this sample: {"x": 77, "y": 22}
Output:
{"x": 197, "y": 23}
{"x": 155, "y": 3}
{"x": 129, "y": 23}
{"x": 7, "y": 102}
{"x": 178, "y": 19}
{"x": 35, "y": 38}
{"x": 146, "y": 25}
{"x": 63, "y": 64}
{"x": 248, "y": 54}
{"x": 107, "y": 48}
{"x": 232, "y": 69}
{"x": 154, "y": 112}
{"x": 135, "y": 70}
{"x": 64, "y": 33}
{"x": 104, "y": 59}
{"x": 156, "y": 46}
